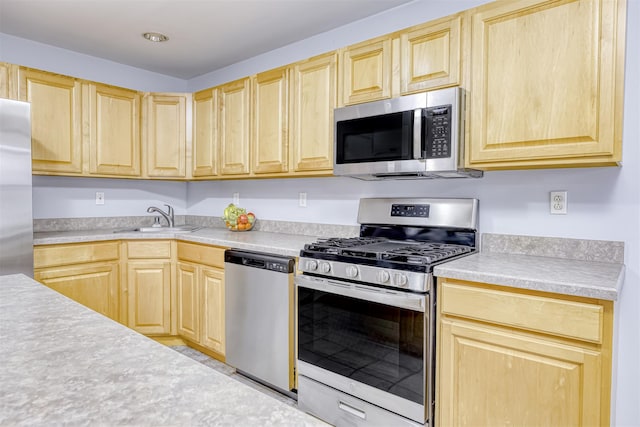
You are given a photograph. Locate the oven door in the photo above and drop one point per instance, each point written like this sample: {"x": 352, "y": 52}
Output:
{"x": 372, "y": 343}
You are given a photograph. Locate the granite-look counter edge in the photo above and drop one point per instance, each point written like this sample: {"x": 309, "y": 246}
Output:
{"x": 63, "y": 363}
{"x": 590, "y": 279}
{"x": 277, "y": 243}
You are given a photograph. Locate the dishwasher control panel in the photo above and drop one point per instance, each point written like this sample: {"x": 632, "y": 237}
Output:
{"x": 259, "y": 260}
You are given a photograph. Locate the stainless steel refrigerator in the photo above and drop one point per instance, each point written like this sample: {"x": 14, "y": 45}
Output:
{"x": 16, "y": 219}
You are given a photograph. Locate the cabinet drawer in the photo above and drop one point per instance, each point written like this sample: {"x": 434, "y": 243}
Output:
{"x": 201, "y": 254}
{"x": 146, "y": 249}
{"x": 56, "y": 255}
{"x": 571, "y": 319}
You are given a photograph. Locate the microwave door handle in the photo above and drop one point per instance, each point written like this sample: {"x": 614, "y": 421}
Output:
{"x": 417, "y": 133}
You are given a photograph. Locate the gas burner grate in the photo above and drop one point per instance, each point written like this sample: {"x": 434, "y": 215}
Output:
{"x": 336, "y": 245}
{"x": 426, "y": 253}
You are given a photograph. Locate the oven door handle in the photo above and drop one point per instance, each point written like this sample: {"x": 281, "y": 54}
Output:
{"x": 401, "y": 299}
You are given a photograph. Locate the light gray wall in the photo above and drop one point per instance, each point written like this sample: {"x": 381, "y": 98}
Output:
{"x": 414, "y": 13}
{"x": 604, "y": 203}
{"x": 16, "y": 50}
{"x": 62, "y": 197}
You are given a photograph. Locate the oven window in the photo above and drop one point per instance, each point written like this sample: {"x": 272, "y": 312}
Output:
{"x": 380, "y": 138}
{"x": 376, "y": 344}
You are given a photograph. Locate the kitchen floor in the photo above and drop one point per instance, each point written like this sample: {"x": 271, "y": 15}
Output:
{"x": 231, "y": 372}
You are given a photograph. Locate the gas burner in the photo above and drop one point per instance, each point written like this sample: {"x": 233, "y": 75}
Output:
{"x": 347, "y": 242}
{"x": 336, "y": 245}
{"x": 425, "y": 253}
{"x": 377, "y": 249}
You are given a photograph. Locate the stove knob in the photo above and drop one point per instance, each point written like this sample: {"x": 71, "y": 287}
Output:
{"x": 352, "y": 271}
{"x": 400, "y": 280}
{"x": 383, "y": 276}
{"x": 311, "y": 265}
{"x": 325, "y": 267}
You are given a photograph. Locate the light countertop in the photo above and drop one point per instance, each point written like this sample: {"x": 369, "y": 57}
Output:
{"x": 62, "y": 363}
{"x": 276, "y": 243}
{"x": 542, "y": 265}
{"x": 601, "y": 280}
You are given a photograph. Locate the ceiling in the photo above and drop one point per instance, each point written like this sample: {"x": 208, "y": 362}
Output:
{"x": 204, "y": 35}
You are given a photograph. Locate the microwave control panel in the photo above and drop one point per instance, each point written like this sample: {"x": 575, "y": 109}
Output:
{"x": 438, "y": 135}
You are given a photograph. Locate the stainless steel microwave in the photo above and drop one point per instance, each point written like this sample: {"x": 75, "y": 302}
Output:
{"x": 410, "y": 137}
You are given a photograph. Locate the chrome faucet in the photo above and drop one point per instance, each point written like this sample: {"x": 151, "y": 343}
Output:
{"x": 167, "y": 215}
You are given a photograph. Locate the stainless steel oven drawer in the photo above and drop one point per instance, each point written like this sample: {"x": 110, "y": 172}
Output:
{"x": 341, "y": 409}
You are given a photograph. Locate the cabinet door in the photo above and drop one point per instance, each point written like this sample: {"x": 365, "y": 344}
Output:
{"x": 212, "y": 306}
{"x": 205, "y": 133}
{"x": 8, "y": 80}
{"x": 149, "y": 296}
{"x": 188, "y": 303}
{"x": 114, "y": 143}
{"x": 546, "y": 83}
{"x": 313, "y": 99}
{"x": 234, "y": 127}
{"x": 165, "y": 141}
{"x": 490, "y": 376}
{"x": 56, "y": 121}
{"x": 270, "y": 121}
{"x": 365, "y": 71}
{"x": 430, "y": 56}
{"x": 94, "y": 286}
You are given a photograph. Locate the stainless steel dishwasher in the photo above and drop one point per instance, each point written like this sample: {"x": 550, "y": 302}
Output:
{"x": 259, "y": 316}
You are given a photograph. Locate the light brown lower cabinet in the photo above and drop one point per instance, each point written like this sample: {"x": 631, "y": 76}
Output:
{"x": 88, "y": 273}
{"x": 148, "y": 286}
{"x": 516, "y": 357}
{"x": 200, "y": 296}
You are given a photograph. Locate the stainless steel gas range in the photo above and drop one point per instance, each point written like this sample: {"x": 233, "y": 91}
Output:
{"x": 365, "y": 310}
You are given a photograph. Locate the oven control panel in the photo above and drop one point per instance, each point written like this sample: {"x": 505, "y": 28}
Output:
{"x": 411, "y": 211}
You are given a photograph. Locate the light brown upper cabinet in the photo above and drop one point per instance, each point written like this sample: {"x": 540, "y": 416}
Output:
{"x": 8, "y": 80}
{"x": 164, "y": 134}
{"x": 430, "y": 55}
{"x": 270, "y": 121}
{"x": 205, "y": 134}
{"x": 234, "y": 127}
{"x": 365, "y": 71}
{"x": 313, "y": 98}
{"x": 56, "y": 121}
{"x": 113, "y": 115}
{"x": 546, "y": 84}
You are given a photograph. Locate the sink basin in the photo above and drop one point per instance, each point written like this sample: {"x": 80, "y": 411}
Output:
{"x": 176, "y": 229}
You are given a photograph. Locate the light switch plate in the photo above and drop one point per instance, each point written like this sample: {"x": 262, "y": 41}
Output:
{"x": 99, "y": 198}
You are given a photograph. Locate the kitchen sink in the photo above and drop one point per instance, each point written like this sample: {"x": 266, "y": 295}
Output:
{"x": 175, "y": 229}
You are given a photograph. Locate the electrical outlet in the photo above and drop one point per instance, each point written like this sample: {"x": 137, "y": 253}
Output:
{"x": 558, "y": 202}
{"x": 99, "y": 198}
{"x": 302, "y": 200}
{"x": 236, "y": 198}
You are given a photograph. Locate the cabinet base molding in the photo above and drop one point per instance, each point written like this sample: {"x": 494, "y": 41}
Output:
{"x": 168, "y": 340}
{"x": 205, "y": 350}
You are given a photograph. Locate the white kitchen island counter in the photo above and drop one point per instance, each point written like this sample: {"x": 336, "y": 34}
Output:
{"x": 61, "y": 363}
